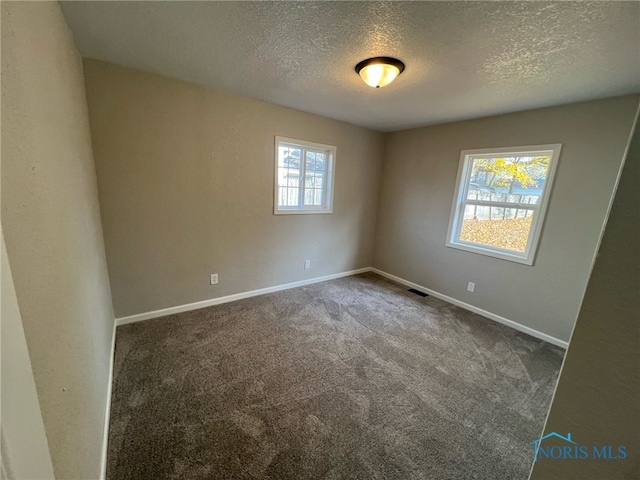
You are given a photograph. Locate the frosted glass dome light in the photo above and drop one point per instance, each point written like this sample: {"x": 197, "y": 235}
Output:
{"x": 379, "y": 71}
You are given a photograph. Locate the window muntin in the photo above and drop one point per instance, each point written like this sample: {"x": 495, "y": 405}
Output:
{"x": 500, "y": 201}
{"x": 304, "y": 176}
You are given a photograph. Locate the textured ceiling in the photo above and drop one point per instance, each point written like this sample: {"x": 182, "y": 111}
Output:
{"x": 463, "y": 59}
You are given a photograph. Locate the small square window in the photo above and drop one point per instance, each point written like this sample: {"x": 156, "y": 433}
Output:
{"x": 501, "y": 199}
{"x": 303, "y": 177}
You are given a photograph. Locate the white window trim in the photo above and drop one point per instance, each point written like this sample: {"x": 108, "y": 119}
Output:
{"x": 328, "y": 191}
{"x": 540, "y": 209}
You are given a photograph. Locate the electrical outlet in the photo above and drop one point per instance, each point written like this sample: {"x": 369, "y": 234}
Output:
{"x": 471, "y": 287}
{"x": 307, "y": 264}
{"x": 214, "y": 278}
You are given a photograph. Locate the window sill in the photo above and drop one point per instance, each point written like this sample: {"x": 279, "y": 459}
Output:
{"x": 495, "y": 253}
{"x": 301, "y": 212}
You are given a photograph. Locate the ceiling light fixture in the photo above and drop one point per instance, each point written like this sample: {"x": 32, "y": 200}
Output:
{"x": 379, "y": 71}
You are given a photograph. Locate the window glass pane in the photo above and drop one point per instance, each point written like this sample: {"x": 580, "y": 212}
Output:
{"x": 314, "y": 181}
{"x": 518, "y": 179}
{"x": 310, "y": 165}
{"x": 288, "y": 183}
{"x": 479, "y": 192}
{"x": 315, "y": 161}
{"x": 308, "y": 196}
{"x": 293, "y": 179}
{"x": 291, "y": 199}
{"x": 289, "y": 156}
{"x": 282, "y": 193}
{"x": 476, "y": 211}
{"x": 313, "y": 196}
{"x": 309, "y": 180}
{"x": 288, "y": 175}
{"x": 505, "y": 228}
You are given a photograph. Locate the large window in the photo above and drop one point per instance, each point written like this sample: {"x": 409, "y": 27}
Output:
{"x": 500, "y": 201}
{"x": 304, "y": 176}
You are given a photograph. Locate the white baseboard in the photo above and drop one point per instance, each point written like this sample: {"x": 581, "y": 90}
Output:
{"x": 253, "y": 293}
{"x": 107, "y": 413}
{"x": 231, "y": 298}
{"x": 479, "y": 311}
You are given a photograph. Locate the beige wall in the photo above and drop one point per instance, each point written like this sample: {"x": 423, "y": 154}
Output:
{"x": 598, "y": 393}
{"x": 51, "y": 223}
{"x": 23, "y": 442}
{"x": 185, "y": 176}
{"x": 419, "y": 175}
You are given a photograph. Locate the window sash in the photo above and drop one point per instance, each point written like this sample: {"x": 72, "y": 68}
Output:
{"x": 513, "y": 206}
{"x": 304, "y": 188}
{"x": 521, "y": 206}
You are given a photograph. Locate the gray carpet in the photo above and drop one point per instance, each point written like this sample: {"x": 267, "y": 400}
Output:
{"x": 354, "y": 378}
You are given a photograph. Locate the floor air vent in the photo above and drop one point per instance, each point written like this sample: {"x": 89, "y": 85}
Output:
{"x": 422, "y": 294}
